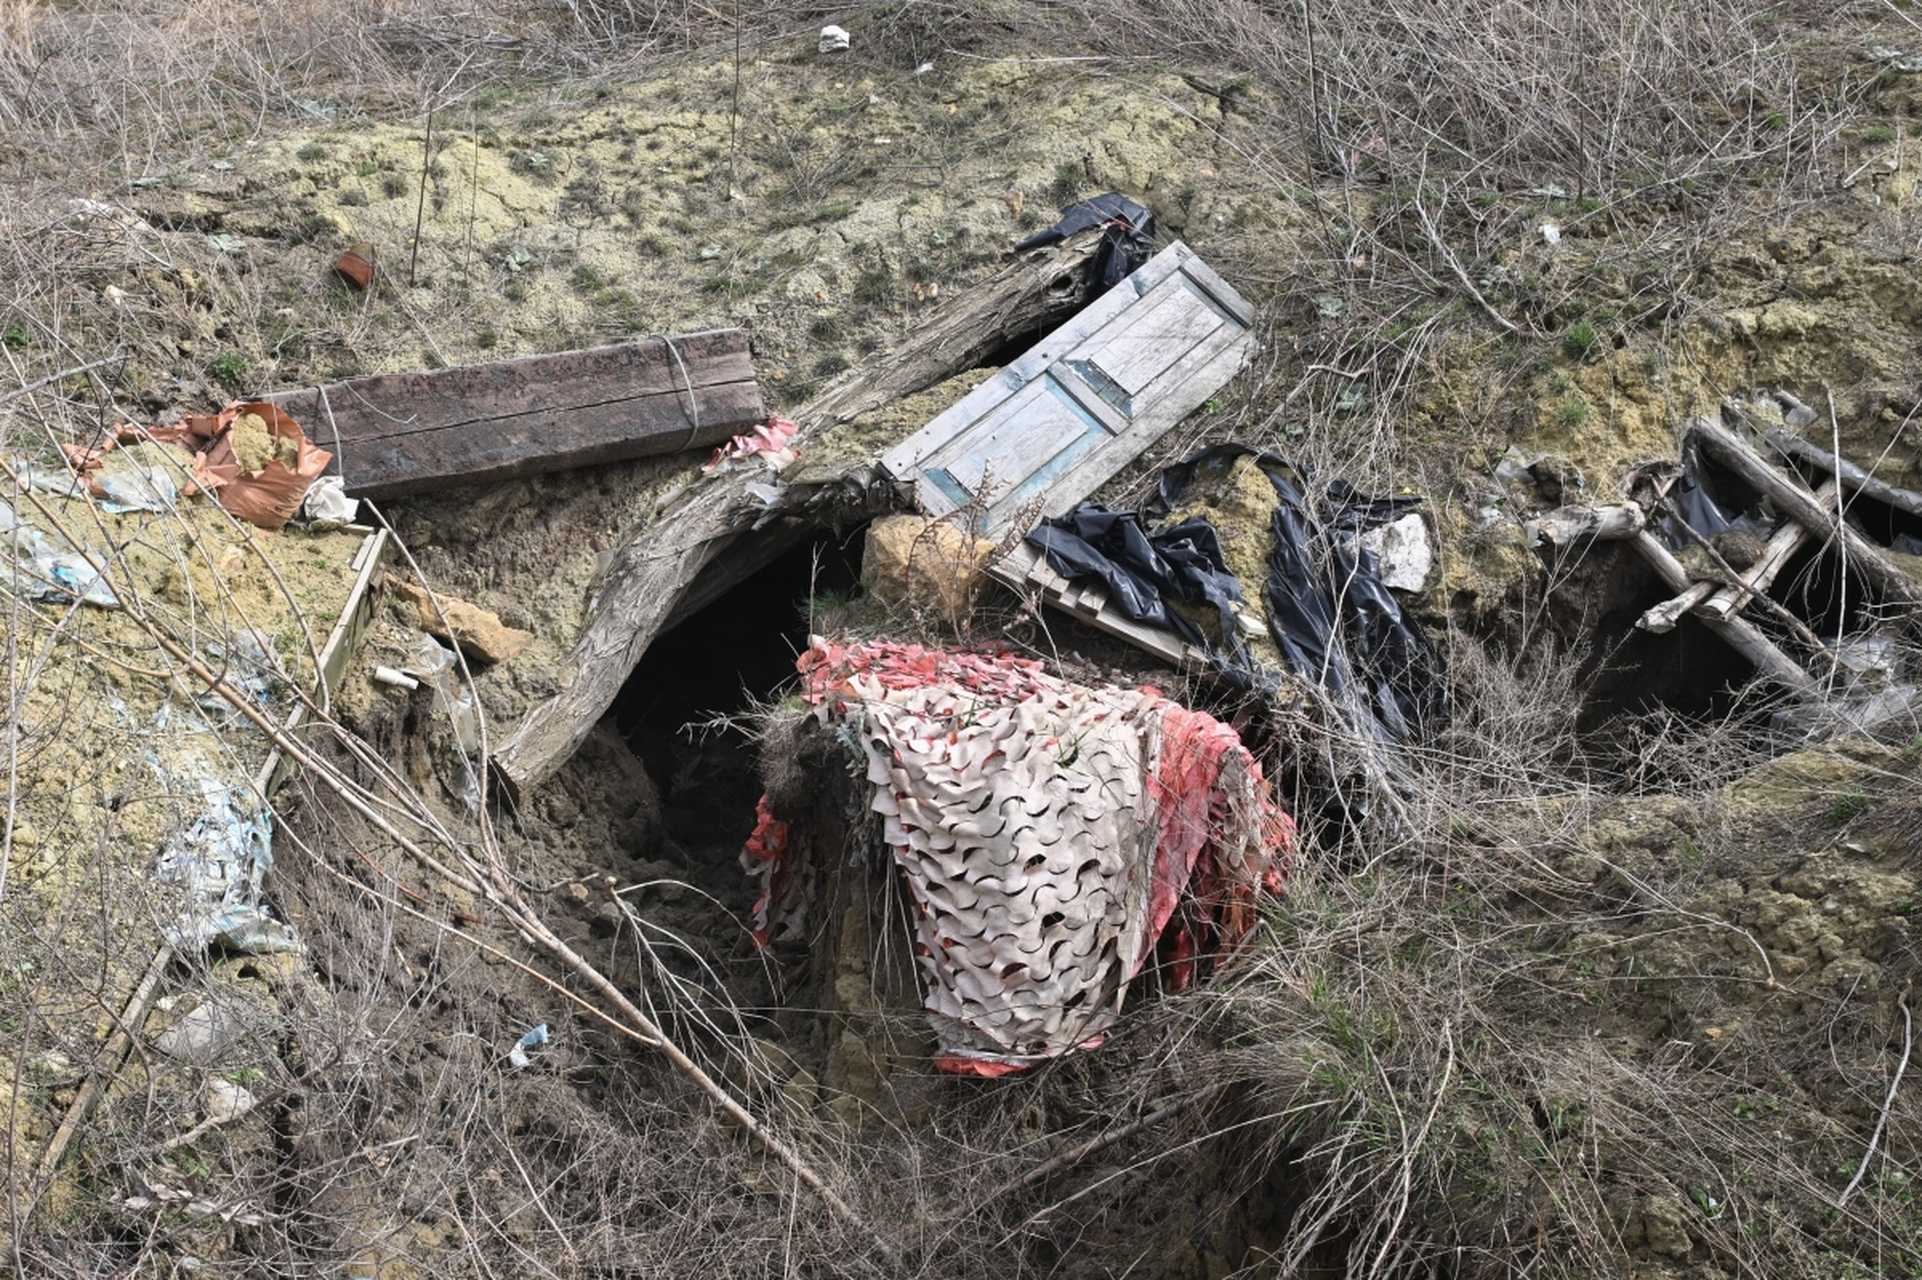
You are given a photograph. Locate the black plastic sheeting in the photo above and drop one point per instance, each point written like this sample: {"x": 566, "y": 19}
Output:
{"x": 1692, "y": 504}
{"x": 1129, "y": 242}
{"x": 1328, "y": 612}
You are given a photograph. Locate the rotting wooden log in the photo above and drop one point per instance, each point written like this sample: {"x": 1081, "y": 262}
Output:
{"x": 1568, "y": 526}
{"x": 1740, "y": 635}
{"x": 1889, "y": 583}
{"x": 1661, "y": 618}
{"x": 1854, "y": 478}
{"x": 1782, "y": 544}
{"x": 718, "y": 531}
{"x": 399, "y": 434}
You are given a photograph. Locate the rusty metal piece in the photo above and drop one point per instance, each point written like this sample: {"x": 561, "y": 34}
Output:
{"x": 356, "y": 266}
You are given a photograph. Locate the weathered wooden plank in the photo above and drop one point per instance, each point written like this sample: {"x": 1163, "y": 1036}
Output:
{"x": 399, "y": 434}
{"x": 1087, "y": 399}
{"x": 1027, "y": 570}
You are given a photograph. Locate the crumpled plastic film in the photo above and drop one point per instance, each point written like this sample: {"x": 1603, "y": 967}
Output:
{"x": 1050, "y": 835}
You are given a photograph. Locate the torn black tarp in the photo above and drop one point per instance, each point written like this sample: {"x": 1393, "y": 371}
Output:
{"x": 1692, "y": 504}
{"x": 1334, "y": 622}
{"x": 1129, "y": 242}
{"x": 1142, "y": 570}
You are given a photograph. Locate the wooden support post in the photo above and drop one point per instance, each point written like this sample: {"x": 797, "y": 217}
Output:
{"x": 1721, "y": 600}
{"x": 1854, "y": 478}
{"x": 1739, "y": 634}
{"x": 1889, "y": 583}
{"x": 708, "y": 535}
{"x": 1782, "y": 544}
{"x": 1662, "y": 618}
{"x": 1566, "y": 526}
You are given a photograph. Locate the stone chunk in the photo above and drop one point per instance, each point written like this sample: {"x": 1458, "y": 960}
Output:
{"x": 913, "y": 563}
{"x": 479, "y": 633}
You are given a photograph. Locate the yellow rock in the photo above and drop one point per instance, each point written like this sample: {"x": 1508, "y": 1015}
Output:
{"x": 916, "y": 564}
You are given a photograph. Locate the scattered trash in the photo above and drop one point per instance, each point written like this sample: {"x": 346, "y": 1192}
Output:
{"x": 220, "y": 856}
{"x": 252, "y": 457}
{"x": 924, "y": 68}
{"x": 356, "y": 266}
{"x": 1128, "y": 243}
{"x": 436, "y": 666}
{"x": 770, "y": 439}
{"x": 1329, "y": 612}
{"x": 50, "y": 576}
{"x": 833, "y": 38}
{"x": 226, "y": 1101}
{"x": 221, "y": 242}
{"x": 201, "y": 1036}
{"x": 398, "y": 679}
{"x": 142, "y": 489}
{"x": 518, "y": 1056}
{"x": 157, "y": 1197}
{"x": 1055, "y": 839}
{"x": 1551, "y": 233}
{"x": 327, "y": 506}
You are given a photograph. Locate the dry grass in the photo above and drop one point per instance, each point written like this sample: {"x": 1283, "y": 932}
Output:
{"x": 1417, "y": 1086}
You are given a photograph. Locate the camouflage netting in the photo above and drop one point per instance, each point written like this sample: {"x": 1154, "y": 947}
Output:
{"x": 1054, "y": 838}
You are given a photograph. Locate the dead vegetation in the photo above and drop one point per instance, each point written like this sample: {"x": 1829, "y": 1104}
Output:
{"x": 1647, "y": 1006}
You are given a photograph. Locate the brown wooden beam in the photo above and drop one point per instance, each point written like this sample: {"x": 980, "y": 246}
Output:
{"x": 397, "y": 434}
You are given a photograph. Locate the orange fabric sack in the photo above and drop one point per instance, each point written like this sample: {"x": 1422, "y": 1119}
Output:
{"x": 267, "y": 497}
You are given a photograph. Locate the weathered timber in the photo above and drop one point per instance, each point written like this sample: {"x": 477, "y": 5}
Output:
{"x": 1567, "y": 526}
{"x": 406, "y": 433}
{"x": 1661, "y": 618}
{"x": 1738, "y": 633}
{"x": 1782, "y": 544}
{"x": 1794, "y": 500}
{"x": 1854, "y": 478}
{"x": 1056, "y": 423}
{"x": 717, "y": 532}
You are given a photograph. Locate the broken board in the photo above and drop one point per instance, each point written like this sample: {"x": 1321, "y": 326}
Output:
{"x": 398, "y": 434}
{"x": 1050, "y": 428}
{"x": 1026, "y": 569}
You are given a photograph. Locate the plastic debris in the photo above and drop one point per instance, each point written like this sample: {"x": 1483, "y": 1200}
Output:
{"x": 1055, "y": 838}
{"x": 1551, "y": 233}
{"x": 398, "y": 679}
{"x": 770, "y": 439}
{"x": 201, "y": 1035}
{"x": 43, "y": 573}
{"x": 519, "y": 1056}
{"x": 142, "y": 489}
{"x": 225, "y": 446}
{"x": 226, "y": 1101}
{"x": 1329, "y": 612}
{"x": 833, "y": 39}
{"x": 220, "y": 858}
{"x": 435, "y": 664}
{"x": 1127, "y": 244}
{"x": 327, "y": 505}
